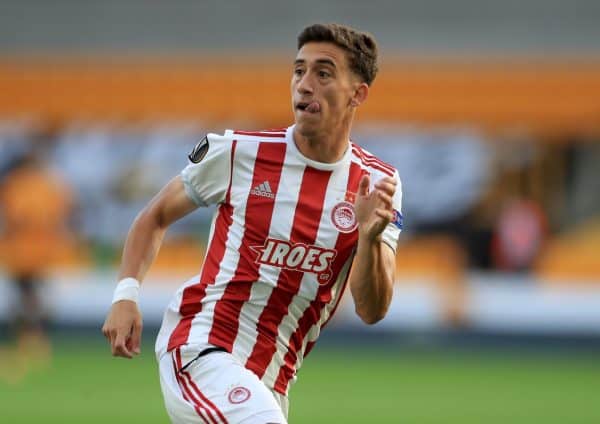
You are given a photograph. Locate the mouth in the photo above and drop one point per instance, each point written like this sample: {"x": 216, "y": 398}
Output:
{"x": 309, "y": 107}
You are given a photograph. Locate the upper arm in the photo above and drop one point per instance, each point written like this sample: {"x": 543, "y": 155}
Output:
{"x": 206, "y": 177}
{"x": 170, "y": 204}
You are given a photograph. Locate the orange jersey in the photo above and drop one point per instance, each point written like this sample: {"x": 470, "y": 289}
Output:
{"x": 35, "y": 206}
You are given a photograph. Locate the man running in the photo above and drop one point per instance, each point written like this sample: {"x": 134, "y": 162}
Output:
{"x": 302, "y": 212}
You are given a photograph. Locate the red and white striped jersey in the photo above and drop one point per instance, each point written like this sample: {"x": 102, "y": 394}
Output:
{"x": 279, "y": 253}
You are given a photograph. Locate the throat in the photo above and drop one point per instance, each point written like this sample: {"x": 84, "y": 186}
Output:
{"x": 325, "y": 149}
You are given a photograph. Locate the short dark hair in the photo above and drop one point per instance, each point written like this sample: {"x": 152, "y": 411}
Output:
{"x": 361, "y": 47}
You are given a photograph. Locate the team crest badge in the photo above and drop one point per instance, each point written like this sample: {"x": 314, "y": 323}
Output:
{"x": 238, "y": 395}
{"x": 199, "y": 151}
{"x": 343, "y": 217}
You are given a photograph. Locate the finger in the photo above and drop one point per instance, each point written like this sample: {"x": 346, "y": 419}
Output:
{"x": 119, "y": 347}
{"x": 122, "y": 352}
{"x": 112, "y": 335}
{"x": 136, "y": 339}
{"x": 386, "y": 186}
{"x": 385, "y": 214}
{"x": 105, "y": 331}
{"x": 385, "y": 198}
{"x": 388, "y": 180}
{"x": 363, "y": 185}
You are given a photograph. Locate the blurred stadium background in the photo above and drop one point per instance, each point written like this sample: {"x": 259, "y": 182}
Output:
{"x": 490, "y": 111}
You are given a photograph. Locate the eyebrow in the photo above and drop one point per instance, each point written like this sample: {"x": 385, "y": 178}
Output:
{"x": 320, "y": 61}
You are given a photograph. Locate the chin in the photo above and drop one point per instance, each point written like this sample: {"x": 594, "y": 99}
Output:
{"x": 307, "y": 129}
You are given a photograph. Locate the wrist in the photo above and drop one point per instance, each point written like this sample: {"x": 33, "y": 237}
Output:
{"x": 127, "y": 289}
{"x": 365, "y": 237}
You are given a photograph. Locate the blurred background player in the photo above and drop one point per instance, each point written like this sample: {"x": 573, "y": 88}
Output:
{"x": 35, "y": 209}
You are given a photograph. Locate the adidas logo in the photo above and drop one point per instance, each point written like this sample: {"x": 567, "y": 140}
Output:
{"x": 263, "y": 190}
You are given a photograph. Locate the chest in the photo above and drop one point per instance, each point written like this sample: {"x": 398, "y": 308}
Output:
{"x": 298, "y": 204}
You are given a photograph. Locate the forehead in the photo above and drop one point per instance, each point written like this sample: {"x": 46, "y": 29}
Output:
{"x": 314, "y": 52}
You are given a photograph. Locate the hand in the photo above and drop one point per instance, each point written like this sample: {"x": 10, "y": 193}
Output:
{"x": 123, "y": 329}
{"x": 374, "y": 210}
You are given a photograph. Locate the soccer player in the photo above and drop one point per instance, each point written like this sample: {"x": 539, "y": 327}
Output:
{"x": 35, "y": 207}
{"x": 302, "y": 212}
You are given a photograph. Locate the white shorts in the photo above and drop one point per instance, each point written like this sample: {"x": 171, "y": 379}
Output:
{"x": 216, "y": 389}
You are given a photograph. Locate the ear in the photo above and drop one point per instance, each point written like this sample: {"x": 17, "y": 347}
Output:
{"x": 360, "y": 94}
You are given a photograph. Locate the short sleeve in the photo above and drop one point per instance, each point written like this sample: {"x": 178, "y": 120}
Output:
{"x": 206, "y": 177}
{"x": 391, "y": 233}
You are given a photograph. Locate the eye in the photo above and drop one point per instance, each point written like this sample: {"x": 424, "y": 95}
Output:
{"x": 324, "y": 74}
{"x": 298, "y": 72}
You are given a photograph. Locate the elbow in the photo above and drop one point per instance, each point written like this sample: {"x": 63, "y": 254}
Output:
{"x": 150, "y": 217}
{"x": 373, "y": 316}
{"x": 371, "y": 304}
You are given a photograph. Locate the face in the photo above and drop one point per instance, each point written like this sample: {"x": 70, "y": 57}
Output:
{"x": 324, "y": 89}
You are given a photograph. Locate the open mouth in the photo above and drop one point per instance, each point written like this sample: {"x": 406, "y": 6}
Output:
{"x": 310, "y": 107}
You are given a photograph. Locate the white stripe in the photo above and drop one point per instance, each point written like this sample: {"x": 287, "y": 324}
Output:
{"x": 267, "y": 186}
{"x": 244, "y": 137}
{"x": 376, "y": 174}
{"x": 240, "y": 187}
{"x": 183, "y": 386}
{"x": 200, "y": 399}
{"x": 369, "y": 157}
{"x": 313, "y": 333}
{"x": 336, "y": 292}
{"x": 171, "y": 318}
{"x": 268, "y": 275}
{"x": 197, "y": 402}
{"x": 326, "y": 237}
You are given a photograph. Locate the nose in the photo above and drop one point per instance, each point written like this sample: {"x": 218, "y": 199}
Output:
{"x": 304, "y": 85}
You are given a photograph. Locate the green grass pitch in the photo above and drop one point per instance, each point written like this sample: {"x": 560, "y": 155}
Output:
{"x": 84, "y": 384}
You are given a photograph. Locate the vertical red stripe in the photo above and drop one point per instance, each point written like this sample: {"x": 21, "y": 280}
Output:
{"x": 208, "y": 405}
{"x": 307, "y": 217}
{"x": 345, "y": 245}
{"x": 339, "y": 298}
{"x": 191, "y": 301}
{"x": 184, "y": 390}
{"x": 259, "y": 210}
{"x": 203, "y": 401}
{"x": 309, "y": 347}
{"x": 187, "y": 394}
{"x": 368, "y": 158}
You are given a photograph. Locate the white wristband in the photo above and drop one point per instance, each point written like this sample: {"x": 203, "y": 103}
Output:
{"x": 127, "y": 289}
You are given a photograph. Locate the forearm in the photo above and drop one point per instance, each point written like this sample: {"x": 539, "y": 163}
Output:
{"x": 123, "y": 325}
{"x": 142, "y": 245}
{"x": 148, "y": 229}
{"x": 371, "y": 280}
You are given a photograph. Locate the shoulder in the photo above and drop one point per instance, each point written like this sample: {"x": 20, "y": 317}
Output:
{"x": 220, "y": 142}
{"x": 229, "y": 135}
{"x": 371, "y": 163}
{"x": 273, "y": 135}
{"x": 211, "y": 146}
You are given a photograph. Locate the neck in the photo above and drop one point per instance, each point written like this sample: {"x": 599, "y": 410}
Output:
{"x": 326, "y": 147}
